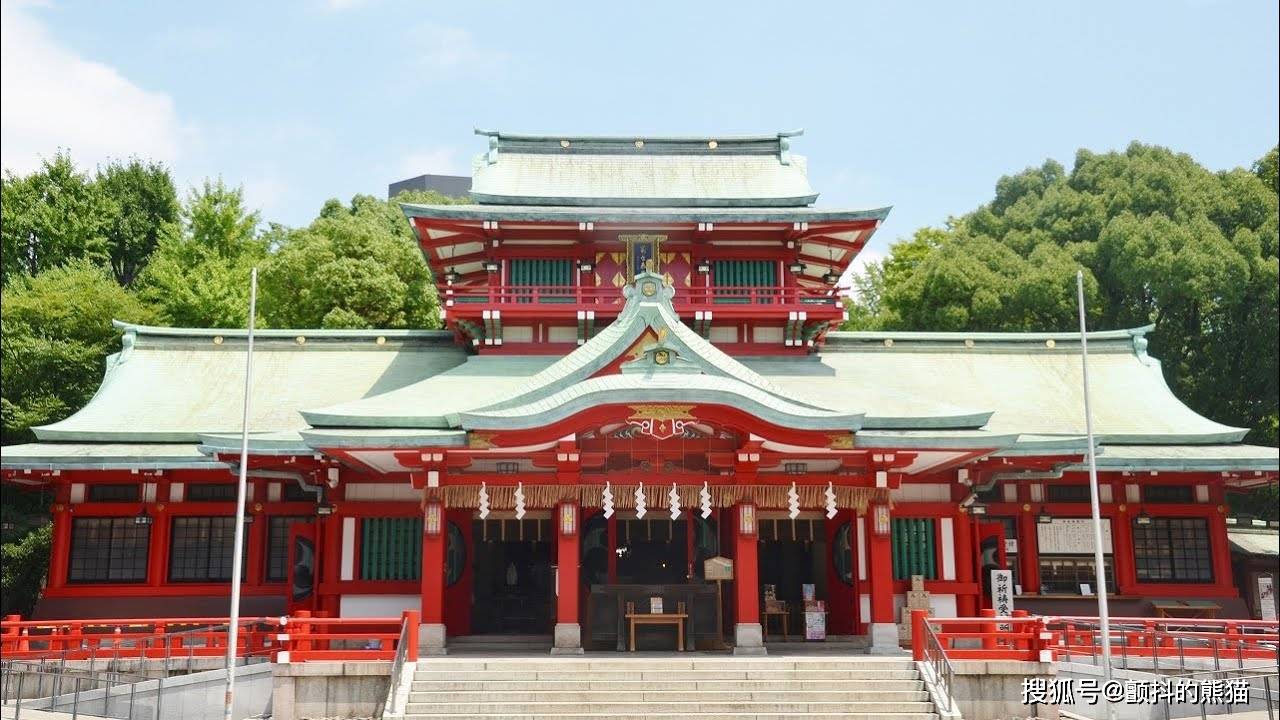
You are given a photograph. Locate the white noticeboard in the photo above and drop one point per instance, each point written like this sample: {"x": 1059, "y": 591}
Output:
{"x": 1071, "y": 536}
{"x": 1002, "y": 595}
{"x": 1266, "y": 597}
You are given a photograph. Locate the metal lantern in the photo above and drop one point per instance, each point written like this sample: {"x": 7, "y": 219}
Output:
{"x": 568, "y": 519}
{"x": 747, "y": 519}
{"x": 880, "y": 520}
{"x": 452, "y": 276}
{"x": 433, "y": 519}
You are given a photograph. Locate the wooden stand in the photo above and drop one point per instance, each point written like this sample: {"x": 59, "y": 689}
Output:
{"x": 676, "y": 618}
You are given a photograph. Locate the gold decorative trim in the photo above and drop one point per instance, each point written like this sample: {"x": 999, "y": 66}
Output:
{"x": 661, "y": 412}
{"x": 480, "y": 441}
{"x": 840, "y": 441}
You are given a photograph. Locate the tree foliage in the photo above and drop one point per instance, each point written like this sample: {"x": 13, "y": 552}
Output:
{"x": 1160, "y": 239}
{"x": 355, "y": 266}
{"x": 23, "y": 566}
{"x": 199, "y": 273}
{"x": 52, "y": 216}
{"x": 55, "y": 332}
{"x": 143, "y": 208}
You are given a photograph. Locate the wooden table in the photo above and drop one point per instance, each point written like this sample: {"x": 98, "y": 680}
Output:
{"x": 676, "y": 618}
{"x": 764, "y": 626}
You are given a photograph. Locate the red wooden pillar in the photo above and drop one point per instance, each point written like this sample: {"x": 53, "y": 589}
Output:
{"x": 884, "y": 631}
{"x": 748, "y": 635}
{"x": 1028, "y": 553}
{"x": 1222, "y": 575}
{"x": 1126, "y": 570}
{"x": 568, "y": 633}
{"x": 966, "y": 602}
{"x": 158, "y": 548}
{"x": 60, "y": 548}
{"x": 432, "y": 635}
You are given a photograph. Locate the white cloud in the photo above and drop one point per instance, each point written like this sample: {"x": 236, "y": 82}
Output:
{"x": 432, "y": 161}
{"x": 53, "y": 98}
{"x": 447, "y": 48}
{"x": 339, "y": 5}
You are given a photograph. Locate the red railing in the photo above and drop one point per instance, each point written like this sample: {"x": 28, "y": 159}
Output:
{"x": 690, "y": 296}
{"x": 302, "y": 636}
{"x": 1037, "y": 638}
{"x": 1166, "y": 637}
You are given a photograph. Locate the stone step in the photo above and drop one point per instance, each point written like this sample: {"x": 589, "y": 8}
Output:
{"x": 668, "y": 707}
{"x": 637, "y": 685}
{"x": 641, "y": 663}
{"x": 758, "y": 693}
{"x": 668, "y": 675}
{"x": 851, "y": 715}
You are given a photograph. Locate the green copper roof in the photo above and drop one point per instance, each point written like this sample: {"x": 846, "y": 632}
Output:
{"x": 739, "y": 171}
{"x": 106, "y": 456}
{"x": 669, "y": 387}
{"x": 422, "y": 406}
{"x": 173, "y": 384}
{"x": 1030, "y": 382}
{"x": 1187, "y": 458}
{"x": 613, "y": 213}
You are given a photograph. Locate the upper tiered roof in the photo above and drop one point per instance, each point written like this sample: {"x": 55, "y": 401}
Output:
{"x": 566, "y": 170}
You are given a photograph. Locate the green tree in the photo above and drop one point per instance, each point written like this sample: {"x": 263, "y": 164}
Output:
{"x": 198, "y": 275}
{"x": 55, "y": 333}
{"x": 144, "y": 208}
{"x": 355, "y": 266}
{"x": 54, "y": 215}
{"x": 1161, "y": 240}
{"x": 23, "y": 566}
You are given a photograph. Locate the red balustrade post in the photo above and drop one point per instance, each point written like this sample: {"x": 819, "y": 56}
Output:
{"x": 918, "y": 633}
{"x": 302, "y": 626}
{"x": 989, "y": 632}
{"x": 10, "y": 632}
{"x": 1021, "y": 628}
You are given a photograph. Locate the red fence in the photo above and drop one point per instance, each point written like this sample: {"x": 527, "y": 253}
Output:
{"x": 287, "y": 639}
{"x": 1046, "y": 639}
{"x": 693, "y": 296}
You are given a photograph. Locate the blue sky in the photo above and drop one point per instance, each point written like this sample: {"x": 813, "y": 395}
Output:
{"x": 919, "y": 105}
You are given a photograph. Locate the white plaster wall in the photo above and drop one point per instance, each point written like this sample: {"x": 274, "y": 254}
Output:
{"x": 380, "y": 606}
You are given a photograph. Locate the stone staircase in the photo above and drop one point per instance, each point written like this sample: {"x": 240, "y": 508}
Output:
{"x": 651, "y": 687}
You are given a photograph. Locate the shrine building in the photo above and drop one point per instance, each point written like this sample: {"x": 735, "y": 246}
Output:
{"x": 639, "y": 372}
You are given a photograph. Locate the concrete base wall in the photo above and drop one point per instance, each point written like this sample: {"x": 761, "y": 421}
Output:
{"x": 198, "y": 696}
{"x": 328, "y": 689}
{"x": 992, "y": 689}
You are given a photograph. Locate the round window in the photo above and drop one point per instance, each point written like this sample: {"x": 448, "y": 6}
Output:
{"x": 842, "y": 554}
{"x": 455, "y": 555}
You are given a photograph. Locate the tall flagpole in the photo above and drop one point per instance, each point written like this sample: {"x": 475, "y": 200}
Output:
{"x": 1104, "y": 619}
{"x": 233, "y": 623}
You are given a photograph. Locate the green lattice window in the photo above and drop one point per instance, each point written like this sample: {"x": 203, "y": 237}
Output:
{"x": 913, "y": 549}
{"x": 391, "y": 548}
{"x": 542, "y": 273}
{"x": 728, "y": 274}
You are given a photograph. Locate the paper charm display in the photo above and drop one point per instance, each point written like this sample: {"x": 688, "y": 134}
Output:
{"x": 673, "y": 498}
{"x": 831, "y": 501}
{"x": 484, "y": 501}
{"x": 606, "y": 501}
{"x": 640, "y": 500}
{"x": 519, "y": 496}
{"x": 704, "y": 496}
{"x": 793, "y": 502}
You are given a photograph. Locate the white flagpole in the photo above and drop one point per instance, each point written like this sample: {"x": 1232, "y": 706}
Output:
{"x": 233, "y": 623}
{"x": 1104, "y": 619}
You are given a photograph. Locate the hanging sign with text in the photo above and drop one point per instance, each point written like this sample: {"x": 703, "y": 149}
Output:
{"x": 1002, "y": 596}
